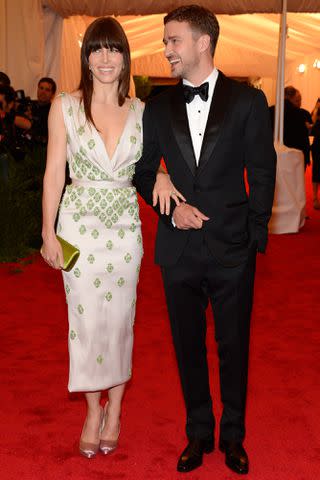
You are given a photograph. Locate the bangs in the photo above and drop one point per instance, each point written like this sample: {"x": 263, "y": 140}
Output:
{"x": 105, "y": 34}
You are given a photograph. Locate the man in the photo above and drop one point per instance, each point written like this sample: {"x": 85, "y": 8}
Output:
{"x": 209, "y": 129}
{"x": 40, "y": 109}
{"x": 296, "y": 123}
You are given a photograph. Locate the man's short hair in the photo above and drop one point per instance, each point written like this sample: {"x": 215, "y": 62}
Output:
{"x": 4, "y": 79}
{"x": 50, "y": 81}
{"x": 200, "y": 19}
{"x": 290, "y": 92}
{"x": 8, "y": 93}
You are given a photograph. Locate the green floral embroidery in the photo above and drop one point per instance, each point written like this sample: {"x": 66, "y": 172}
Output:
{"x": 114, "y": 218}
{"x": 102, "y": 217}
{"x": 109, "y": 267}
{"x": 95, "y": 234}
{"x": 138, "y": 269}
{"x": 100, "y": 359}
{"x": 108, "y": 296}
{"x": 133, "y": 227}
{"x": 77, "y": 272}
{"x": 132, "y": 106}
{"x": 83, "y": 211}
{"x": 97, "y": 197}
{"x": 128, "y": 258}
{"x": 70, "y": 111}
{"x": 133, "y": 139}
{"x": 120, "y": 282}
{"x": 91, "y": 191}
{"x": 67, "y": 289}
{"x": 96, "y": 211}
{"x": 91, "y": 258}
{"x": 83, "y": 151}
{"x": 97, "y": 283}
{"x": 103, "y": 203}
{"x": 109, "y": 245}
{"x": 91, "y": 144}
{"x": 139, "y": 238}
{"x": 59, "y": 228}
{"x": 73, "y": 334}
{"x": 80, "y": 309}
{"x": 138, "y": 127}
{"x": 108, "y": 223}
{"x": 82, "y": 229}
{"x": 121, "y": 233}
{"x": 81, "y": 130}
{"x": 76, "y": 217}
{"x": 109, "y": 211}
{"x": 90, "y": 204}
{"x": 110, "y": 197}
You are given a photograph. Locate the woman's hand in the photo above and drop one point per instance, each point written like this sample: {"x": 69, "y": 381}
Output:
{"x": 163, "y": 191}
{"x": 51, "y": 252}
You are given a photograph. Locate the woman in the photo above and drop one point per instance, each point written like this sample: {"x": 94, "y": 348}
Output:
{"x": 98, "y": 129}
{"x": 315, "y": 149}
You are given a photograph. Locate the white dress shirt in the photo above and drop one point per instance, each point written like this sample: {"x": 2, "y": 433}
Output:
{"x": 198, "y": 111}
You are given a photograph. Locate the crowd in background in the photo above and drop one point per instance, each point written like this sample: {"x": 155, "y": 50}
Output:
{"x": 23, "y": 148}
{"x": 298, "y": 126}
{"x": 23, "y": 121}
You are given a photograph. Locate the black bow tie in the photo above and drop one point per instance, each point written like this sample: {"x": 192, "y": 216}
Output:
{"x": 190, "y": 92}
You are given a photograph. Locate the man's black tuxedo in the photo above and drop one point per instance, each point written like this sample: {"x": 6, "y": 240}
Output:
{"x": 217, "y": 262}
{"x": 238, "y": 136}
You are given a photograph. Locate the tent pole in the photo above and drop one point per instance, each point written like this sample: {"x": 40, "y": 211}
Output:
{"x": 279, "y": 106}
{"x": 277, "y": 103}
{"x": 282, "y": 67}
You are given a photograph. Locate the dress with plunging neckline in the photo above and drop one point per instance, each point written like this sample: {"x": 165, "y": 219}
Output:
{"x": 119, "y": 138}
{"x": 99, "y": 213}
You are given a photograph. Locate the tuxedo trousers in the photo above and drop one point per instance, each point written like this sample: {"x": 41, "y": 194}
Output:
{"x": 194, "y": 281}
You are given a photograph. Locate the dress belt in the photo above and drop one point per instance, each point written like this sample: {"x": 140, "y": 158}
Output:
{"x": 109, "y": 184}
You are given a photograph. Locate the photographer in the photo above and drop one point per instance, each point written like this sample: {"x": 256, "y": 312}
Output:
{"x": 40, "y": 110}
{"x": 11, "y": 128}
{"x": 12, "y": 125}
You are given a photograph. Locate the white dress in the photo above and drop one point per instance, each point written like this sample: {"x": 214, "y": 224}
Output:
{"x": 99, "y": 213}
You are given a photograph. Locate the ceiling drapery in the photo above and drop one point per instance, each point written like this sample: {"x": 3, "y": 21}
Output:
{"x": 96, "y": 8}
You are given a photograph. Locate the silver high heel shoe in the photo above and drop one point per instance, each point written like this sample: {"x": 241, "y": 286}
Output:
{"x": 88, "y": 449}
{"x": 108, "y": 446}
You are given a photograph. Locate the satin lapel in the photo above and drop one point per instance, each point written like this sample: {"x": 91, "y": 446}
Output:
{"x": 180, "y": 127}
{"x": 219, "y": 106}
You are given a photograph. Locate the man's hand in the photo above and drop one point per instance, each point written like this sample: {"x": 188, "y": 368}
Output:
{"x": 186, "y": 216}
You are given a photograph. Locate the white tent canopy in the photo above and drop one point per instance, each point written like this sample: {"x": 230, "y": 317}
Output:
{"x": 41, "y": 38}
{"x": 95, "y": 8}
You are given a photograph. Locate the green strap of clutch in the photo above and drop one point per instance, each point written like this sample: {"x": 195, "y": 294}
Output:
{"x": 70, "y": 254}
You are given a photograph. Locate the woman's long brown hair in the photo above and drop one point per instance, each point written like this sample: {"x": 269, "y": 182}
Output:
{"x": 108, "y": 33}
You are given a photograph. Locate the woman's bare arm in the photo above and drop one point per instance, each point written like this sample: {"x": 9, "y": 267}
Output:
{"x": 53, "y": 183}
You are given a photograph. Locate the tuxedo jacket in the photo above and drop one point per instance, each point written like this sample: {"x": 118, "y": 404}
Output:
{"x": 237, "y": 138}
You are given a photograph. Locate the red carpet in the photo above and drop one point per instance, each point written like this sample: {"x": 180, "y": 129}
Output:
{"x": 40, "y": 423}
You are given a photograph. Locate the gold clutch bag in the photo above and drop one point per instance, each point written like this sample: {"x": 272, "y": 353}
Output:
{"x": 70, "y": 254}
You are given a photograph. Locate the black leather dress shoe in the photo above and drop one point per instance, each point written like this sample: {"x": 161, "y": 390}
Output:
{"x": 236, "y": 456}
{"x": 191, "y": 456}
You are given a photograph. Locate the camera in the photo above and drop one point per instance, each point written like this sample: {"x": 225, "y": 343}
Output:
{"x": 23, "y": 103}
